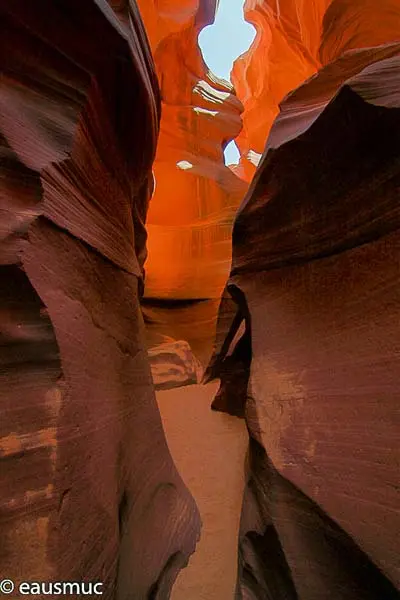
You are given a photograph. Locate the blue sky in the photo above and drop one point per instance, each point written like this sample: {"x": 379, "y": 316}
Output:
{"x": 222, "y": 42}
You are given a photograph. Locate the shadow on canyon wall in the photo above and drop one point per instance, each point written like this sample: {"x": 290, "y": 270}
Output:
{"x": 131, "y": 257}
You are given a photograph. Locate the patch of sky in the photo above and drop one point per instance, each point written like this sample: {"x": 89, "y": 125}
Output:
{"x": 221, "y": 43}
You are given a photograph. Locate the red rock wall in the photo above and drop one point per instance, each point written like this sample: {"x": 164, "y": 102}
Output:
{"x": 191, "y": 213}
{"x": 294, "y": 39}
{"x": 315, "y": 366}
{"x": 88, "y": 488}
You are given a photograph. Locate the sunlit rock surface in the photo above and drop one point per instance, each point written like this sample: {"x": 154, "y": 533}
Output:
{"x": 294, "y": 39}
{"x": 88, "y": 488}
{"x": 192, "y": 321}
{"x": 173, "y": 364}
{"x": 315, "y": 367}
{"x": 89, "y": 491}
{"x": 191, "y": 213}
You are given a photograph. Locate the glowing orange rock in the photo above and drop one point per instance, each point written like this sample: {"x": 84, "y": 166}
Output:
{"x": 196, "y": 195}
{"x": 294, "y": 39}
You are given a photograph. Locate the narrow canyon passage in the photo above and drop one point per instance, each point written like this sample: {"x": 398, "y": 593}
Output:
{"x": 209, "y": 451}
{"x": 208, "y": 447}
{"x": 158, "y": 278}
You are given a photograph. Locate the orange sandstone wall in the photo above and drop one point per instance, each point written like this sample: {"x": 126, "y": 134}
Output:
{"x": 294, "y": 39}
{"x": 196, "y": 196}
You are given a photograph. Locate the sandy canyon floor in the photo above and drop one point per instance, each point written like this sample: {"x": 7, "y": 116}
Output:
{"x": 209, "y": 451}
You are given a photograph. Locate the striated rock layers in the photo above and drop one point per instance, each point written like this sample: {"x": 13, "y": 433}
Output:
{"x": 295, "y": 38}
{"x": 191, "y": 213}
{"x": 308, "y": 341}
{"x": 88, "y": 488}
{"x": 173, "y": 364}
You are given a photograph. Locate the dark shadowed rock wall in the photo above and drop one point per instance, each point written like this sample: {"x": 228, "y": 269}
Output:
{"x": 314, "y": 288}
{"x": 88, "y": 488}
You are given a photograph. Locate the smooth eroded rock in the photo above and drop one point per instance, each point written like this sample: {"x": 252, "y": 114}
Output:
{"x": 89, "y": 489}
{"x": 294, "y": 40}
{"x": 315, "y": 287}
{"x": 173, "y": 364}
{"x": 196, "y": 196}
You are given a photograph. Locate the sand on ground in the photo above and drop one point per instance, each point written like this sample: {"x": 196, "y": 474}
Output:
{"x": 209, "y": 451}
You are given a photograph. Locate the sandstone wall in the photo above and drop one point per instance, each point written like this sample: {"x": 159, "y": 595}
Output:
{"x": 308, "y": 335}
{"x": 191, "y": 213}
{"x": 295, "y": 38}
{"x": 88, "y": 488}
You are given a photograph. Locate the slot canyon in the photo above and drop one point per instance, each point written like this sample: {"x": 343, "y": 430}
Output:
{"x": 200, "y": 361}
